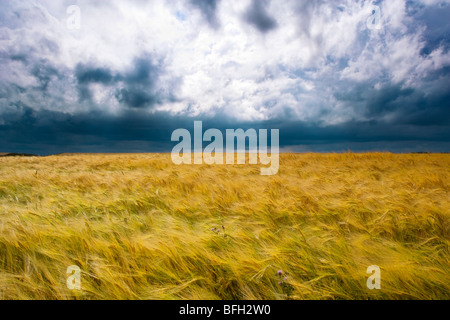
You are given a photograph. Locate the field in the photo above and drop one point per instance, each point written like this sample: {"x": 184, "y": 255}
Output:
{"x": 140, "y": 227}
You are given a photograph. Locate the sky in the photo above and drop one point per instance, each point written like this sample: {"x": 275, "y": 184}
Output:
{"x": 120, "y": 76}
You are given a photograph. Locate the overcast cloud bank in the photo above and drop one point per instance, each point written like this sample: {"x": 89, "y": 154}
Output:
{"x": 137, "y": 70}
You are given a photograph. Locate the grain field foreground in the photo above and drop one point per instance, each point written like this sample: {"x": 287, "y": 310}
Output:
{"x": 140, "y": 227}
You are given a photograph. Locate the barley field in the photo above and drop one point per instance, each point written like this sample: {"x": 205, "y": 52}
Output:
{"x": 140, "y": 227}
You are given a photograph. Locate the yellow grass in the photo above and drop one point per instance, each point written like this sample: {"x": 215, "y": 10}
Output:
{"x": 139, "y": 227}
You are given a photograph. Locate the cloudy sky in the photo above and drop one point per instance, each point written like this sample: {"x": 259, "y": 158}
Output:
{"x": 330, "y": 75}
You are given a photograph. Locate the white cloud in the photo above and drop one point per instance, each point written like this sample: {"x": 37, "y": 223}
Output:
{"x": 234, "y": 68}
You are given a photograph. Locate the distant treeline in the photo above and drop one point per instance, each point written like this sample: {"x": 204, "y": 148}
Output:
{"x": 12, "y": 154}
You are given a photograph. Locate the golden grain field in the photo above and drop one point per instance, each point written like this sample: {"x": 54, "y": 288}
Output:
{"x": 140, "y": 227}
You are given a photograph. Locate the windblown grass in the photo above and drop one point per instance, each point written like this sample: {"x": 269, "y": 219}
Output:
{"x": 139, "y": 227}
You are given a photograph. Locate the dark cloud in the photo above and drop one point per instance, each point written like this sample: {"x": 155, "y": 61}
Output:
{"x": 39, "y": 112}
{"x": 139, "y": 84}
{"x": 19, "y": 57}
{"x": 423, "y": 109}
{"x": 135, "y": 88}
{"x": 257, "y": 16}
{"x": 208, "y": 9}
{"x": 45, "y": 72}
{"x": 136, "y": 98}
{"x": 398, "y": 104}
{"x": 45, "y": 132}
{"x": 87, "y": 74}
{"x": 398, "y": 118}
{"x": 144, "y": 71}
{"x": 437, "y": 31}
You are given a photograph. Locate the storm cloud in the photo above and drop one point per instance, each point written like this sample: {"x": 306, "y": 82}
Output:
{"x": 257, "y": 16}
{"x": 208, "y": 10}
{"x": 135, "y": 71}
